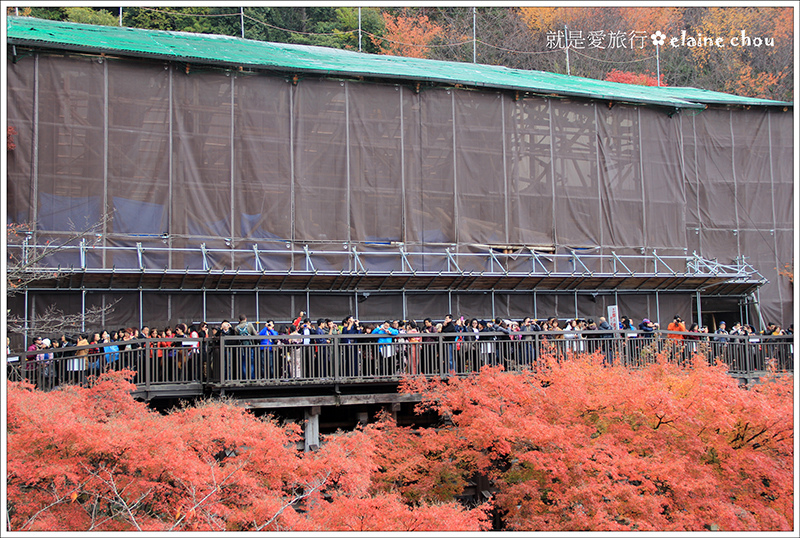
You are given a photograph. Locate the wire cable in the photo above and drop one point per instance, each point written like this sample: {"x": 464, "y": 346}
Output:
{"x": 612, "y": 61}
{"x": 458, "y": 44}
{"x": 518, "y": 51}
{"x": 392, "y": 41}
{"x": 190, "y": 14}
{"x": 246, "y": 16}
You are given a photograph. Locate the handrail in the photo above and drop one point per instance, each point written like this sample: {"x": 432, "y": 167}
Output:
{"x": 694, "y": 264}
{"x": 202, "y": 365}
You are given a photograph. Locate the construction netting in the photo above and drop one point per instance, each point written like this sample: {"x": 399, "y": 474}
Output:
{"x": 186, "y": 157}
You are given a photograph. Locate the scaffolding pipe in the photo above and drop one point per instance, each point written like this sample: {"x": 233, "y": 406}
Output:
{"x": 26, "y": 326}
{"x": 474, "y": 37}
{"x": 699, "y": 311}
{"x": 658, "y": 310}
{"x": 106, "y": 210}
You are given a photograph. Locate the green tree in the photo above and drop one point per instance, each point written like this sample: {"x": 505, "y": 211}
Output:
{"x": 173, "y": 18}
{"x": 87, "y": 15}
{"x": 52, "y": 13}
{"x": 347, "y": 28}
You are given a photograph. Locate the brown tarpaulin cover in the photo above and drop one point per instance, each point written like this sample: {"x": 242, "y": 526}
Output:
{"x": 231, "y": 159}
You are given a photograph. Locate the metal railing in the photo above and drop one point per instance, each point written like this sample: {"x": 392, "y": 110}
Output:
{"x": 278, "y": 257}
{"x": 242, "y": 361}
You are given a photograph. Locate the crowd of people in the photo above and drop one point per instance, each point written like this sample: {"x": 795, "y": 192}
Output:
{"x": 99, "y": 349}
{"x": 115, "y": 341}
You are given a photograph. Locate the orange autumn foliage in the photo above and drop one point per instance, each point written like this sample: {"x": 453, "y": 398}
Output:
{"x": 582, "y": 446}
{"x": 575, "y": 445}
{"x": 627, "y": 77}
{"x": 407, "y": 35}
{"x": 94, "y": 459}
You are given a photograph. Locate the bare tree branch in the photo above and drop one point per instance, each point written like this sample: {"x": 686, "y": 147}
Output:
{"x": 307, "y": 489}
{"x": 59, "y": 499}
{"x": 217, "y": 484}
{"x": 28, "y": 263}
{"x": 127, "y": 509}
{"x": 55, "y": 321}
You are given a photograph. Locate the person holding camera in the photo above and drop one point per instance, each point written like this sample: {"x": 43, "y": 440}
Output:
{"x": 647, "y": 328}
{"x": 350, "y": 325}
{"x": 677, "y": 325}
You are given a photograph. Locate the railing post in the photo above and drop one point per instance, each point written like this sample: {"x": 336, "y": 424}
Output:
{"x": 147, "y": 360}
{"x": 442, "y": 358}
{"x": 336, "y": 358}
{"x": 222, "y": 354}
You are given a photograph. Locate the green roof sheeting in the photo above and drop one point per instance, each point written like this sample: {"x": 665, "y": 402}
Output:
{"x": 234, "y": 51}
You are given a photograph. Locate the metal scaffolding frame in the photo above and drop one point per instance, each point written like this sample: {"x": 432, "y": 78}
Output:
{"x": 301, "y": 266}
{"x": 393, "y": 261}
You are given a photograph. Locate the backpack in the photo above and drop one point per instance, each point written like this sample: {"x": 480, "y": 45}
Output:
{"x": 241, "y": 330}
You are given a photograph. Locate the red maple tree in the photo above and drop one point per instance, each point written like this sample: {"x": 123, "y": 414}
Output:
{"x": 94, "y": 459}
{"x": 574, "y": 445}
{"x": 580, "y": 445}
{"x": 407, "y": 35}
{"x": 629, "y": 77}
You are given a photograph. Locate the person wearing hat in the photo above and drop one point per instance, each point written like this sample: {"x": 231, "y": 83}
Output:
{"x": 648, "y": 328}
{"x": 46, "y": 359}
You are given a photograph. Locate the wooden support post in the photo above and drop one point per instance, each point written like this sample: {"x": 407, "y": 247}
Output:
{"x": 312, "y": 429}
{"x": 394, "y": 410}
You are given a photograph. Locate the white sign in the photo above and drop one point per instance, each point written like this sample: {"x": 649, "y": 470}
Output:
{"x": 613, "y": 316}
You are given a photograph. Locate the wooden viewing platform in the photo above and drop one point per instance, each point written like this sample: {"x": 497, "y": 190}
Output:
{"x": 352, "y": 376}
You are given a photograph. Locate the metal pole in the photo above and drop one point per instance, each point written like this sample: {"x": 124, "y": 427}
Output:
{"x": 241, "y": 18}
{"x": 105, "y": 162}
{"x": 359, "y": 29}
{"x": 120, "y": 16}
{"x": 348, "y": 206}
{"x": 292, "y": 204}
{"x": 566, "y": 46}
{"x": 474, "y": 37}
{"x": 233, "y": 170}
{"x": 171, "y": 158}
{"x": 27, "y": 323}
{"x": 506, "y": 209}
{"x": 699, "y": 311}
{"x": 455, "y": 166}
{"x": 658, "y": 66}
{"x": 658, "y": 310}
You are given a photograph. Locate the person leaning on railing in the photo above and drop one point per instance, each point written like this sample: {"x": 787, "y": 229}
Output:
{"x": 164, "y": 357}
{"x": 648, "y": 328}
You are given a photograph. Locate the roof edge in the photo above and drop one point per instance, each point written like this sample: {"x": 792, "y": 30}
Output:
{"x": 294, "y": 58}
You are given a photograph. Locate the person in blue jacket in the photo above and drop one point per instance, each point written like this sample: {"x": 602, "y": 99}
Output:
{"x": 648, "y": 328}
{"x": 385, "y": 347}
{"x": 267, "y": 351}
